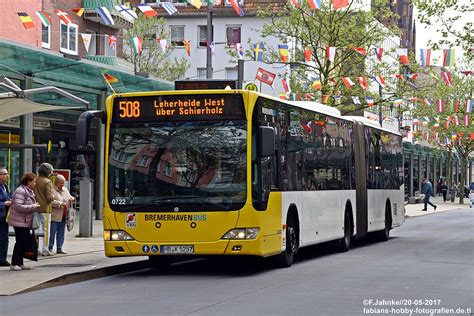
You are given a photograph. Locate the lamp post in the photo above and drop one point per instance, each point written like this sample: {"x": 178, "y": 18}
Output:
{"x": 209, "y": 37}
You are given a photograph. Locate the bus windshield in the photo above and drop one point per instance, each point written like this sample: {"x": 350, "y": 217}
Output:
{"x": 181, "y": 166}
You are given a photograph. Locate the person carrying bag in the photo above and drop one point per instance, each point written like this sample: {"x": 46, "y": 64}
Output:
{"x": 21, "y": 217}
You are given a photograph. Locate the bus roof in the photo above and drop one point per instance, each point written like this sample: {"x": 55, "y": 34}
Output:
{"x": 371, "y": 123}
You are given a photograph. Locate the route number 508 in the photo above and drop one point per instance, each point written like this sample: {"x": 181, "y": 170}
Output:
{"x": 129, "y": 109}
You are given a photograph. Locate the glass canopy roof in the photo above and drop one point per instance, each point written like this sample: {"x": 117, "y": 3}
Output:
{"x": 77, "y": 75}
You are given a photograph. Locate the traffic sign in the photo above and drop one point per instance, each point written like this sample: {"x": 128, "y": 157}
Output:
{"x": 251, "y": 87}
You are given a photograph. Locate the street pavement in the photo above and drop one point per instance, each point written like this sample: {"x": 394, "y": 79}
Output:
{"x": 85, "y": 258}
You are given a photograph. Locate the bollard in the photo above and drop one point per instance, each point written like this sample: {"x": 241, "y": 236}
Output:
{"x": 85, "y": 208}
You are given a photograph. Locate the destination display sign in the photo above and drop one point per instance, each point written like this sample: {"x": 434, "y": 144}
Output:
{"x": 178, "y": 108}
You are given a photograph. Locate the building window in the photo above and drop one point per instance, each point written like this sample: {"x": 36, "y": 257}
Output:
{"x": 201, "y": 73}
{"x": 177, "y": 35}
{"x": 202, "y": 40}
{"x": 45, "y": 36}
{"x": 233, "y": 35}
{"x": 68, "y": 38}
{"x": 231, "y": 73}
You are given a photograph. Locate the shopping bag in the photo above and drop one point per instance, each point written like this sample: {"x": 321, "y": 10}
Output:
{"x": 31, "y": 249}
{"x": 71, "y": 217}
{"x": 36, "y": 222}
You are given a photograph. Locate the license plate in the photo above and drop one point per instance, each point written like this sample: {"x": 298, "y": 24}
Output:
{"x": 185, "y": 249}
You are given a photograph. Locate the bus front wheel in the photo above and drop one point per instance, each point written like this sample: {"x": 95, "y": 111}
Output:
{"x": 345, "y": 242}
{"x": 384, "y": 234}
{"x": 287, "y": 257}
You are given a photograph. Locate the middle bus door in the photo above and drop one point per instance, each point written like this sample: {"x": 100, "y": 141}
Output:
{"x": 360, "y": 161}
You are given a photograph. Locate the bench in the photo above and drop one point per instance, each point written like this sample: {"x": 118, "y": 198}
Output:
{"x": 417, "y": 198}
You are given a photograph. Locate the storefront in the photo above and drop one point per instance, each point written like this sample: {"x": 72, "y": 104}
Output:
{"x": 32, "y": 68}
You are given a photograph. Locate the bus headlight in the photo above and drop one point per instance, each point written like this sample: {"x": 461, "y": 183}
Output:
{"x": 116, "y": 235}
{"x": 242, "y": 233}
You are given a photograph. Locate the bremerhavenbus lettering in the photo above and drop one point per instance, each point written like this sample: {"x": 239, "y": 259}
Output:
{"x": 173, "y": 217}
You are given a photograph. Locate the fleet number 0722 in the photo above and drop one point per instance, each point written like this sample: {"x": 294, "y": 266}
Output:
{"x": 129, "y": 109}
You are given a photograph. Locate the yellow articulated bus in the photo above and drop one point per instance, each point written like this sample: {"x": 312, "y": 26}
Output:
{"x": 232, "y": 172}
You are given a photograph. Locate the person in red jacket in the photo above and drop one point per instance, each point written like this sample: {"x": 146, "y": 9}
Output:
{"x": 21, "y": 216}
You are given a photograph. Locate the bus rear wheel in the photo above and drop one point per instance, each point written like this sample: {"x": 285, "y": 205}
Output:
{"x": 345, "y": 242}
{"x": 384, "y": 234}
{"x": 286, "y": 258}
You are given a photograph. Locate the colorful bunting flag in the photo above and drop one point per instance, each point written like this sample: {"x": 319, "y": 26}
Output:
{"x": 283, "y": 50}
{"x": 317, "y": 85}
{"x": 427, "y": 102}
{"x": 63, "y": 16}
{"x": 338, "y": 4}
{"x": 307, "y": 52}
{"x": 258, "y": 52}
{"x": 331, "y": 53}
{"x": 239, "y": 50}
{"x": 425, "y": 56}
{"x": 347, "y": 82}
{"x": 169, "y": 7}
{"x": 237, "y": 7}
{"x": 370, "y": 101}
{"x": 196, "y": 3}
{"x": 448, "y": 57}
{"x": 455, "y": 105}
{"x": 112, "y": 41}
{"x": 355, "y": 100}
{"x": 26, "y": 20}
{"x": 105, "y": 15}
{"x": 403, "y": 55}
{"x": 314, "y": 4}
{"x": 440, "y": 104}
{"x": 469, "y": 104}
{"x": 187, "y": 45}
{"x": 363, "y": 82}
{"x": 265, "y": 76}
{"x": 126, "y": 12}
{"x": 412, "y": 76}
{"x": 110, "y": 79}
{"x": 446, "y": 75}
{"x": 86, "y": 40}
{"x": 147, "y": 10}
{"x": 466, "y": 119}
{"x": 397, "y": 102}
{"x": 295, "y": 3}
{"x": 456, "y": 120}
{"x": 163, "y": 44}
{"x": 379, "y": 53}
{"x": 78, "y": 11}
{"x": 285, "y": 85}
{"x": 360, "y": 50}
{"x": 380, "y": 81}
{"x": 44, "y": 17}
{"x": 136, "y": 43}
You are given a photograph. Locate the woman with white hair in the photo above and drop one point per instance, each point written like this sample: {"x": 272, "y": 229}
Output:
{"x": 60, "y": 206}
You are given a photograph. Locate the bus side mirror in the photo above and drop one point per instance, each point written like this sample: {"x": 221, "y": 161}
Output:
{"x": 266, "y": 141}
{"x": 84, "y": 123}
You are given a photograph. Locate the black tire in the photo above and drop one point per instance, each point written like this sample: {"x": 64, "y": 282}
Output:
{"x": 345, "y": 242}
{"x": 384, "y": 234}
{"x": 286, "y": 258}
{"x": 160, "y": 263}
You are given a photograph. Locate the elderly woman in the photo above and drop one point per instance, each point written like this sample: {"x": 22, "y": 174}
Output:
{"x": 61, "y": 203}
{"x": 21, "y": 216}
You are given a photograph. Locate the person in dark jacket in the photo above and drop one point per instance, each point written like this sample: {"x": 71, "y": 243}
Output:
{"x": 21, "y": 216}
{"x": 5, "y": 202}
{"x": 444, "y": 190}
{"x": 428, "y": 191}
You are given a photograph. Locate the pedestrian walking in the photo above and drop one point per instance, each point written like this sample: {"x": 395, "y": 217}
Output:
{"x": 444, "y": 190}
{"x": 61, "y": 203}
{"x": 428, "y": 191}
{"x": 454, "y": 191}
{"x": 44, "y": 195}
{"x": 5, "y": 202}
{"x": 21, "y": 216}
{"x": 471, "y": 198}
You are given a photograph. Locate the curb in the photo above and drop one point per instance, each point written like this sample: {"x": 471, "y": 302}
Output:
{"x": 87, "y": 275}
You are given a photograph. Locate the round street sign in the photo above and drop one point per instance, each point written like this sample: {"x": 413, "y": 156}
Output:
{"x": 251, "y": 87}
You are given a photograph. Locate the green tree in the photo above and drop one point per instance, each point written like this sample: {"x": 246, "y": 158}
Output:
{"x": 346, "y": 29}
{"x": 453, "y": 133}
{"x": 152, "y": 59}
{"x": 444, "y": 17}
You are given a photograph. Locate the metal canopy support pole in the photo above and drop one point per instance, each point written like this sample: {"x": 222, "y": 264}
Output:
{"x": 209, "y": 41}
{"x": 26, "y": 135}
{"x": 410, "y": 173}
{"x": 100, "y": 162}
